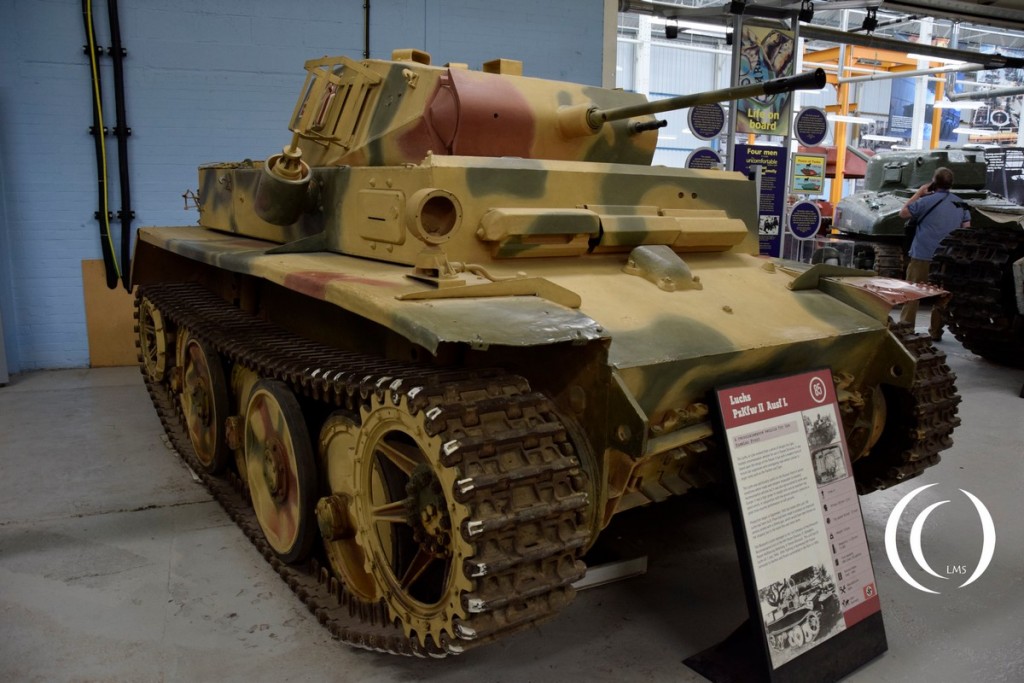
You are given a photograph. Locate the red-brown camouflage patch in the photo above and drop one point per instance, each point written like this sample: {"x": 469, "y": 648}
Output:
{"x": 314, "y": 283}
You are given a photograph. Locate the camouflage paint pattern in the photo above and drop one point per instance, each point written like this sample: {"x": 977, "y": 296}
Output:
{"x": 387, "y": 113}
{"x": 432, "y": 180}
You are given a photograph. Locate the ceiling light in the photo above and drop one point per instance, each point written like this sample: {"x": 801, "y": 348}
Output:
{"x": 964, "y": 104}
{"x": 849, "y": 119}
{"x": 710, "y": 28}
{"x": 928, "y": 58}
{"x": 881, "y": 138}
{"x": 980, "y": 132}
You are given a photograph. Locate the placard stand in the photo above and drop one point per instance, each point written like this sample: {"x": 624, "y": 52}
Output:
{"x": 814, "y": 609}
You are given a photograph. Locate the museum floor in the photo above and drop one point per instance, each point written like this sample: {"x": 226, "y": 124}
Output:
{"x": 115, "y": 564}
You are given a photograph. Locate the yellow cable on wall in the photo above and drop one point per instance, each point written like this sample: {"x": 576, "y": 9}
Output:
{"x": 105, "y": 211}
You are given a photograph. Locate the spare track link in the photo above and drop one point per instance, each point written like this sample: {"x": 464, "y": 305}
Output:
{"x": 975, "y": 266}
{"x": 514, "y": 587}
{"x": 921, "y": 420}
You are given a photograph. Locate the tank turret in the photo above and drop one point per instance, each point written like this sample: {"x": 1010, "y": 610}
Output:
{"x": 378, "y": 113}
{"x": 910, "y": 170}
{"x": 406, "y": 112}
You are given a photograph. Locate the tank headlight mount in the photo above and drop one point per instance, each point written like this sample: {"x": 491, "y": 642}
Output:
{"x": 433, "y": 215}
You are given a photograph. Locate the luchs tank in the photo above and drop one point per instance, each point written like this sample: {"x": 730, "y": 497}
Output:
{"x": 871, "y": 217}
{"x": 460, "y": 322}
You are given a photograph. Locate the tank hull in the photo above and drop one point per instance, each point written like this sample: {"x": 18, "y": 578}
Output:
{"x": 423, "y": 367}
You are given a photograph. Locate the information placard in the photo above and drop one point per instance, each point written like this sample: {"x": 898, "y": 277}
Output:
{"x": 808, "y": 173}
{"x": 811, "y": 126}
{"x": 704, "y": 157}
{"x": 706, "y": 121}
{"x": 804, "y": 220}
{"x": 815, "y": 611}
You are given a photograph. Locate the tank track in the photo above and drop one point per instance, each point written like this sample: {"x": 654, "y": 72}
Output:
{"x": 888, "y": 262}
{"x": 514, "y": 587}
{"x": 975, "y": 266}
{"x": 920, "y": 420}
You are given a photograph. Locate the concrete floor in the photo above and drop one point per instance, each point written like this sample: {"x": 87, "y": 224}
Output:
{"x": 115, "y": 564}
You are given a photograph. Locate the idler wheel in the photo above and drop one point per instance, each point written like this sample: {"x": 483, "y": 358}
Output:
{"x": 154, "y": 339}
{"x": 408, "y": 521}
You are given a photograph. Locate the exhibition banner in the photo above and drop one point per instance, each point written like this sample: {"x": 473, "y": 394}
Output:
{"x": 772, "y": 202}
{"x": 765, "y": 53}
{"x": 901, "y": 112}
{"x": 800, "y": 516}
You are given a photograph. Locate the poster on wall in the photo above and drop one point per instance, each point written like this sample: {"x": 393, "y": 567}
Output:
{"x": 901, "y": 112}
{"x": 802, "y": 528}
{"x": 765, "y": 53}
{"x": 772, "y": 202}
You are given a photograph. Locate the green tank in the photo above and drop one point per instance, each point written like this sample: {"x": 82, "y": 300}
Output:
{"x": 427, "y": 352}
{"x": 871, "y": 217}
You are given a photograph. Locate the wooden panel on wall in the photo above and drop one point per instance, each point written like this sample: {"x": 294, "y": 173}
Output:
{"x": 108, "y": 319}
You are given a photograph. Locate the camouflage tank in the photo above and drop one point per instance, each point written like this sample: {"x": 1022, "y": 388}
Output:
{"x": 871, "y": 218}
{"x": 429, "y": 350}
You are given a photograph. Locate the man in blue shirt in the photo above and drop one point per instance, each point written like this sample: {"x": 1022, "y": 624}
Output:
{"x": 938, "y": 212}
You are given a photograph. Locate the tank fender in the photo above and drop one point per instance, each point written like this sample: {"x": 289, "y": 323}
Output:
{"x": 876, "y": 296}
{"x": 862, "y": 289}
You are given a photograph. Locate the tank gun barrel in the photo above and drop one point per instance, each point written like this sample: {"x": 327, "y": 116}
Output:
{"x": 811, "y": 80}
{"x": 595, "y": 118}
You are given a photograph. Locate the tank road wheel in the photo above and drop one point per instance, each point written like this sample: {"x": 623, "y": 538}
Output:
{"x": 408, "y": 522}
{"x": 280, "y": 469}
{"x": 334, "y": 513}
{"x": 796, "y": 636}
{"x": 154, "y": 340}
{"x": 812, "y": 626}
{"x": 204, "y": 401}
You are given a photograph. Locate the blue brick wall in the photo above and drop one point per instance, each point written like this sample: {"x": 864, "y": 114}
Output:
{"x": 206, "y": 81}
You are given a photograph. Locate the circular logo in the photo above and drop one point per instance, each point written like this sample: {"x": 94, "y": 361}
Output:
{"x": 988, "y": 545}
{"x": 819, "y": 392}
